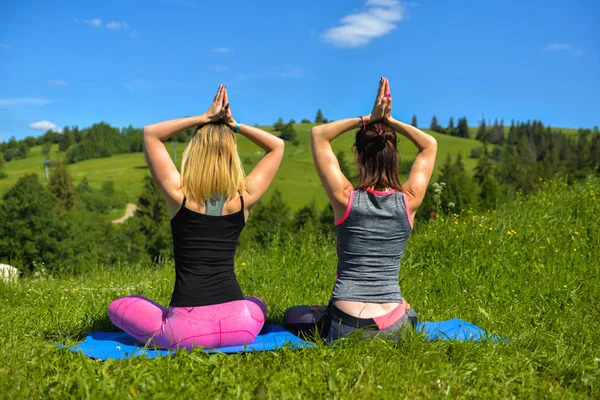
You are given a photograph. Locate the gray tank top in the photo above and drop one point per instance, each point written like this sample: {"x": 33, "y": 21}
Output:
{"x": 371, "y": 237}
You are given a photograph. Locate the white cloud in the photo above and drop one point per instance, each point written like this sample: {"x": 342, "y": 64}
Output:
{"x": 45, "y": 126}
{"x": 96, "y": 22}
{"x": 117, "y": 25}
{"x": 360, "y": 28}
{"x": 557, "y": 47}
{"x": 5, "y": 46}
{"x": 222, "y": 50}
{"x": 23, "y": 101}
{"x": 563, "y": 47}
{"x": 58, "y": 82}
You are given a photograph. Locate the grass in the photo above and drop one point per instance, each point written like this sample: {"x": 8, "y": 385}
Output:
{"x": 297, "y": 178}
{"x": 528, "y": 272}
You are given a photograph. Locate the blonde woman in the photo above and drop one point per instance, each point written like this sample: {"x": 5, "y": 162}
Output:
{"x": 209, "y": 204}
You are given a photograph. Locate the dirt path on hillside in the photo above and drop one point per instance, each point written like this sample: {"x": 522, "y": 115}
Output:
{"x": 129, "y": 211}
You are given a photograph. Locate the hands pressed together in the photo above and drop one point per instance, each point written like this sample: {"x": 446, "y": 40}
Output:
{"x": 220, "y": 110}
{"x": 382, "y": 109}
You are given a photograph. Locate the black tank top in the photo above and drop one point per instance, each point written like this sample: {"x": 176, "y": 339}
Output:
{"x": 204, "y": 247}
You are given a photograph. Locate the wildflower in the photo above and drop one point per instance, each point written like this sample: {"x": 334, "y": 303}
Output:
{"x": 577, "y": 233}
{"x": 243, "y": 264}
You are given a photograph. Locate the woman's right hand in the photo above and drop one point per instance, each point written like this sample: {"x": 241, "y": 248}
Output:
{"x": 227, "y": 116}
{"x": 378, "y": 111}
{"x": 215, "y": 111}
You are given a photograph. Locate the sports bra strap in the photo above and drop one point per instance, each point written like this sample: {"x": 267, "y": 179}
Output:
{"x": 215, "y": 206}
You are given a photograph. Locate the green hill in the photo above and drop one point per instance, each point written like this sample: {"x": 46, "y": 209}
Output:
{"x": 297, "y": 178}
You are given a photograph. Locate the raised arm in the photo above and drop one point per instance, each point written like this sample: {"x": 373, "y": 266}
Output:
{"x": 163, "y": 169}
{"x": 420, "y": 173}
{"x": 258, "y": 181}
{"x": 337, "y": 186}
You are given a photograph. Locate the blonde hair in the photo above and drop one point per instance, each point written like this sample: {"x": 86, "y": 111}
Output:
{"x": 211, "y": 165}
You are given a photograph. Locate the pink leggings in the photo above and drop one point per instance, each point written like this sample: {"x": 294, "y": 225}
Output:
{"x": 226, "y": 324}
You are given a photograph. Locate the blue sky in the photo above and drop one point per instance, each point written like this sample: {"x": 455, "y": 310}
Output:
{"x": 137, "y": 62}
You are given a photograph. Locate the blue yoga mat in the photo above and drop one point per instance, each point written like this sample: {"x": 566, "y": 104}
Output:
{"x": 453, "y": 329}
{"x": 119, "y": 345}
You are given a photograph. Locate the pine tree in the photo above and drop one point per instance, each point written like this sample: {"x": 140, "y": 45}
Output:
{"x": 462, "y": 129}
{"x": 307, "y": 216}
{"x": 84, "y": 185}
{"x": 459, "y": 193}
{"x": 435, "y": 126}
{"x": 489, "y": 188}
{"x": 450, "y": 130}
{"x": 60, "y": 187}
{"x": 66, "y": 139}
{"x": 482, "y": 132}
{"x": 413, "y": 122}
{"x": 29, "y": 229}
{"x": 153, "y": 219}
{"x": 269, "y": 217}
{"x": 319, "y": 118}
{"x": 496, "y": 135}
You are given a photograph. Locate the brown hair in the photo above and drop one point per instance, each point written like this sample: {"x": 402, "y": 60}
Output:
{"x": 377, "y": 157}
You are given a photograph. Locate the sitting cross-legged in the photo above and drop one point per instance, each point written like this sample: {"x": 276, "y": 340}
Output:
{"x": 373, "y": 223}
{"x": 209, "y": 203}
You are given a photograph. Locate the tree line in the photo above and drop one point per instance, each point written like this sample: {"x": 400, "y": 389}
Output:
{"x": 103, "y": 140}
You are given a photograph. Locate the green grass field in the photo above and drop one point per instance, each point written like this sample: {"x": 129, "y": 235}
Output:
{"x": 297, "y": 178}
{"x": 528, "y": 272}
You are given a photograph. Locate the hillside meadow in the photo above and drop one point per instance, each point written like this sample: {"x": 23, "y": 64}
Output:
{"x": 297, "y": 178}
{"x": 528, "y": 272}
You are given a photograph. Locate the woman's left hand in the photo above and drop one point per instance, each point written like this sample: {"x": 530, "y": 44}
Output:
{"x": 215, "y": 110}
{"x": 387, "y": 101}
{"x": 378, "y": 111}
{"x": 227, "y": 116}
